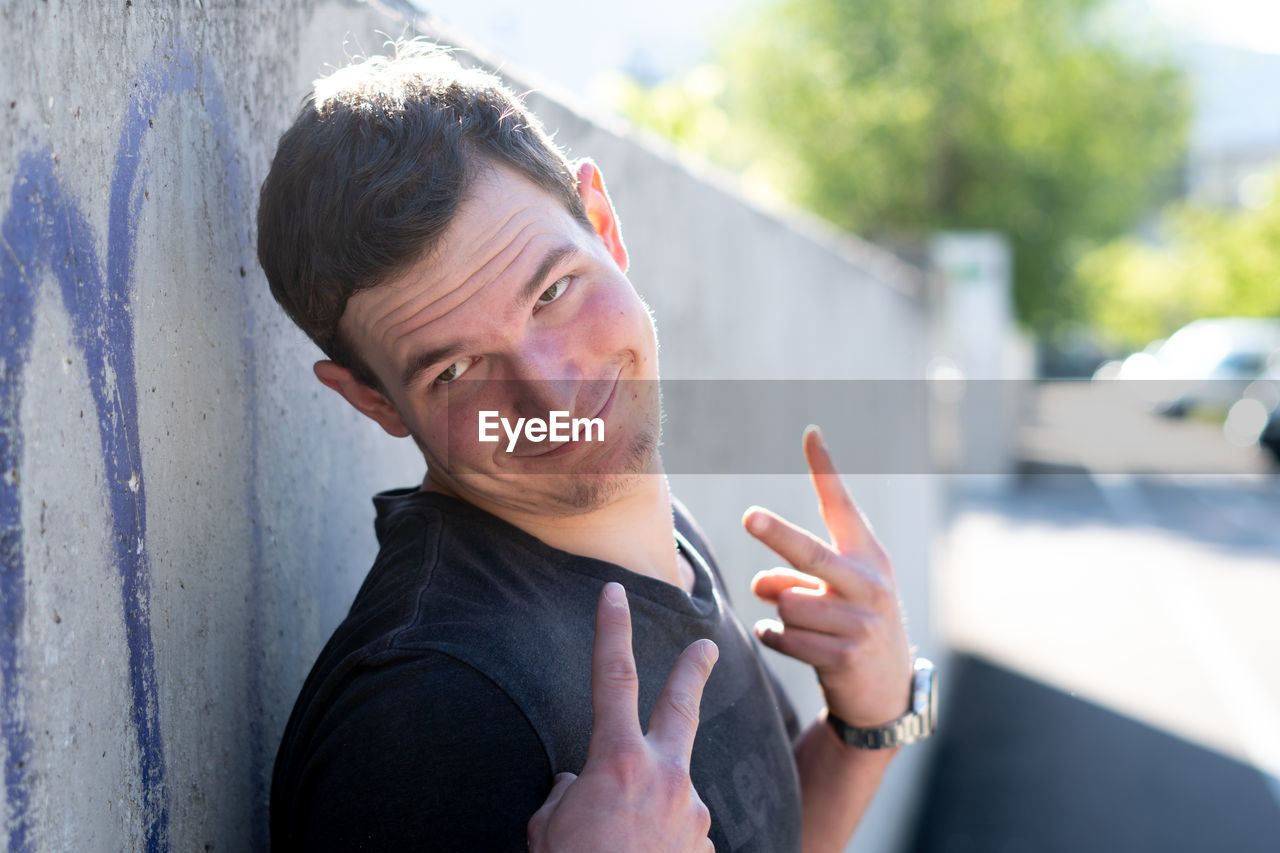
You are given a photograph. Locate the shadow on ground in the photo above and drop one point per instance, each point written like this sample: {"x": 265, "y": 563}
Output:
{"x": 1231, "y": 512}
{"x": 1023, "y": 768}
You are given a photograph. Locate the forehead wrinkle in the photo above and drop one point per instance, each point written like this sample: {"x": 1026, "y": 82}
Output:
{"x": 409, "y": 301}
{"x": 471, "y": 286}
{"x": 367, "y": 310}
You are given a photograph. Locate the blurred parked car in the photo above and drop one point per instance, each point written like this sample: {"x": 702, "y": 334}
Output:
{"x": 1270, "y": 435}
{"x": 1207, "y": 364}
{"x": 1267, "y": 392}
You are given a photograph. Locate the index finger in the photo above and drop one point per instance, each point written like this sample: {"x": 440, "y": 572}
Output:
{"x": 615, "y": 686}
{"x": 674, "y": 721}
{"x": 852, "y": 576}
{"x": 849, "y": 529}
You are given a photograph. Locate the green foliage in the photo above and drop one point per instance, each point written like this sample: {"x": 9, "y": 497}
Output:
{"x": 893, "y": 118}
{"x": 1213, "y": 263}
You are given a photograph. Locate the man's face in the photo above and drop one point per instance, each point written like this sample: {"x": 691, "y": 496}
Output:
{"x": 523, "y": 310}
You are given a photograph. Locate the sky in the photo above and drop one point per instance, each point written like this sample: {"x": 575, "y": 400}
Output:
{"x": 571, "y": 43}
{"x": 1254, "y": 24}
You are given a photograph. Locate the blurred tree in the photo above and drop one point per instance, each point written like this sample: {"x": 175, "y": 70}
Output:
{"x": 893, "y": 118}
{"x": 1212, "y": 263}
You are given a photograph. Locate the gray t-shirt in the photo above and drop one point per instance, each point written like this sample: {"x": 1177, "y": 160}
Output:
{"x": 460, "y": 684}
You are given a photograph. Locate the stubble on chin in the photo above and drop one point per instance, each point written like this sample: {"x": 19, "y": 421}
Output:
{"x": 587, "y": 492}
{"x": 568, "y": 494}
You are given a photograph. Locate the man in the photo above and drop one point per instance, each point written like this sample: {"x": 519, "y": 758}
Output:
{"x": 484, "y": 691}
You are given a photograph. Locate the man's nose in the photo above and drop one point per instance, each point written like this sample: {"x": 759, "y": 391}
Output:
{"x": 545, "y": 377}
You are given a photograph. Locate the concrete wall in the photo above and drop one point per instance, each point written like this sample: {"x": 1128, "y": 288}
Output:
{"x": 184, "y": 511}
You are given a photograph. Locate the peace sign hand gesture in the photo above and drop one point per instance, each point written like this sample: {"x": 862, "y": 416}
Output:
{"x": 634, "y": 792}
{"x": 838, "y": 605}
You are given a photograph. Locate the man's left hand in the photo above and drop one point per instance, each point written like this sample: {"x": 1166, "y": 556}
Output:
{"x": 838, "y": 607}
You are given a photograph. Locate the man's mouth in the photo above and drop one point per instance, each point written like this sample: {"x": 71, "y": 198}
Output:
{"x": 602, "y": 413}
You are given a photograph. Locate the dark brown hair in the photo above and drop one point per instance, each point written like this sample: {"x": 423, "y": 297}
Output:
{"x": 374, "y": 169}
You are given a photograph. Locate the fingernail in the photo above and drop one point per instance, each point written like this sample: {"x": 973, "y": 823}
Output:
{"x": 767, "y": 627}
{"x": 757, "y": 521}
{"x": 615, "y": 593}
{"x": 710, "y": 652}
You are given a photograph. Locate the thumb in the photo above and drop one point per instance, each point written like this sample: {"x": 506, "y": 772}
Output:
{"x": 537, "y": 827}
{"x": 562, "y": 783}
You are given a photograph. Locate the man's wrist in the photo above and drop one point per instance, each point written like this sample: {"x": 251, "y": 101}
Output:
{"x": 916, "y": 724}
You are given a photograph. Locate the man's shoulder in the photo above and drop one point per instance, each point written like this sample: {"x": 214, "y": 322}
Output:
{"x": 457, "y": 629}
{"x": 451, "y": 587}
{"x": 421, "y": 746}
{"x": 447, "y": 577}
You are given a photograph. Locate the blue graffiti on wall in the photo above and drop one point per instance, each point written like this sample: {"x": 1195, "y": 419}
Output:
{"x": 45, "y": 232}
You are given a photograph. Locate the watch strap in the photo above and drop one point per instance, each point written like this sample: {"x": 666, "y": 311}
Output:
{"x": 917, "y": 724}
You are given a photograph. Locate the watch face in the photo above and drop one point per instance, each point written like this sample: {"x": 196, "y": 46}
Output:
{"x": 933, "y": 703}
{"x": 925, "y": 698}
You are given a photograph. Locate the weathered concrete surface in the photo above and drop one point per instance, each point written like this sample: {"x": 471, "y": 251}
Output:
{"x": 184, "y": 512}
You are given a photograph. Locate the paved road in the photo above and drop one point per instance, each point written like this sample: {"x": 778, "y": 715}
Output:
{"x": 1118, "y": 683}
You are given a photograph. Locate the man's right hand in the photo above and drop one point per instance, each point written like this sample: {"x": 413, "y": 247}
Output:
{"x": 634, "y": 793}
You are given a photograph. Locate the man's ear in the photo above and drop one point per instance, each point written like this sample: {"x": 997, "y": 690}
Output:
{"x": 600, "y": 211}
{"x": 370, "y": 402}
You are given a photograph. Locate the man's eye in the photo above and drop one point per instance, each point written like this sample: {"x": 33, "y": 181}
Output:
{"x": 554, "y": 292}
{"x": 453, "y": 371}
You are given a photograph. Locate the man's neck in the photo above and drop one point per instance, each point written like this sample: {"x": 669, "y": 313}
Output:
{"x": 636, "y": 530}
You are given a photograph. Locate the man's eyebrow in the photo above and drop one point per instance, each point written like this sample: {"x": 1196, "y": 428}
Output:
{"x": 424, "y": 360}
{"x": 536, "y": 285}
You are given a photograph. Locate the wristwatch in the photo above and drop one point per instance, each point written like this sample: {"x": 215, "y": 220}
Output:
{"x": 916, "y": 724}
